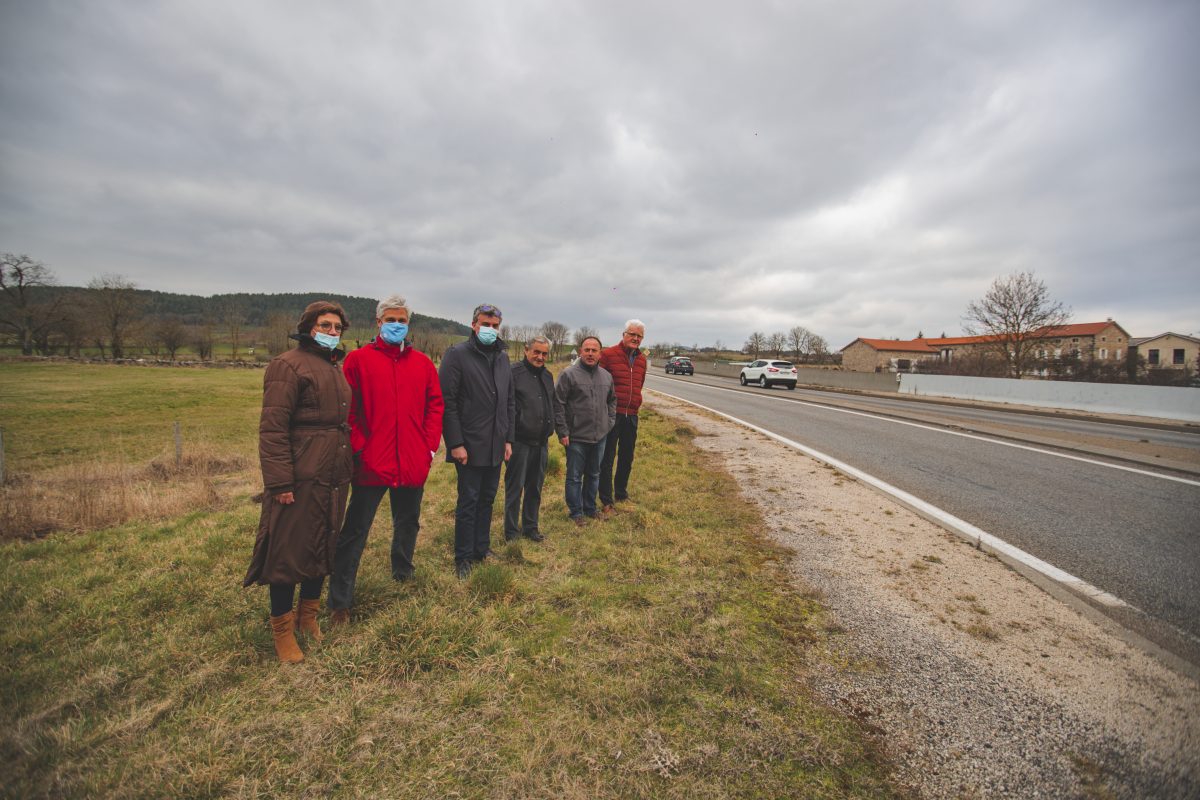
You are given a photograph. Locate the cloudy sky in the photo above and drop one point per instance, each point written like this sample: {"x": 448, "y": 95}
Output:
{"x": 859, "y": 168}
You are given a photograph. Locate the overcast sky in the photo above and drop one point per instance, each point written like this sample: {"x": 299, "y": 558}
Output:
{"x": 859, "y": 168}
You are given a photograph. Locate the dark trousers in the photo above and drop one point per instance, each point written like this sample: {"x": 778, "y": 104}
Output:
{"x": 473, "y": 516}
{"x": 406, "y": 523}
{"x": 618, "y": 448}
{"x": 283, "y": 595}
{"x": 583, "y": 476}
{"x": 524, "y": 475}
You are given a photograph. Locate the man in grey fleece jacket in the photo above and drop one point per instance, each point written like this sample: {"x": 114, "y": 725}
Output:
{"x": 585, "y": 410}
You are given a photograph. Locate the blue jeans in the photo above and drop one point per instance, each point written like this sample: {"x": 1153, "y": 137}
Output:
{"x": 406, "y": 522}
{"x": 618, "y": 449}
{"x": 583, "y": 477}
{"x": 473, "y": 517}
{"x": 524, "y": 474}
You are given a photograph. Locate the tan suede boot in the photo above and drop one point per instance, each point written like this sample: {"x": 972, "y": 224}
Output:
{"x": 306, "y": 618}
{"x": 282, "y": 628}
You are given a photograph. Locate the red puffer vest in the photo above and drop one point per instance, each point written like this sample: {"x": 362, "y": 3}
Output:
{"x": 627, "y": 378}
{"x": 396, "y": 416}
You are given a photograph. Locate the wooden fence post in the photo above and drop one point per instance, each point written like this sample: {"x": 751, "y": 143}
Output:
{"x": 178, "y": 446}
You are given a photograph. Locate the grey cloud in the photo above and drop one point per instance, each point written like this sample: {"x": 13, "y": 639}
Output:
{"x": 864, "y": 169}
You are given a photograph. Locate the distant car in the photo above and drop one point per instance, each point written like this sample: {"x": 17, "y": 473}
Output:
{"x": 768, "y": 372}
{"x": 680, "y": 366}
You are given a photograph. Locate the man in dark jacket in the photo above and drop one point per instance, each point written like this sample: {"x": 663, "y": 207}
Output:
{"x": 395, "y": 424}
{"x": 478, "y": 428}
{"x": 533, "y": 390}
{"x": 626, "y": 363}
{"x": 585, "y": 407}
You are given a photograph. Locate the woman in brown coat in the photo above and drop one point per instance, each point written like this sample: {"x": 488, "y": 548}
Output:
{"x": 304, "y": 449}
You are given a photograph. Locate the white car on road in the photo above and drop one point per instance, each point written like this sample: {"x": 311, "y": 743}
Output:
{"x": 768, "y": 372}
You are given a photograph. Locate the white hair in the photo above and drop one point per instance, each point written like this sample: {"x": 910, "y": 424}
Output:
{"x": 635, "y": 323}
{"x": 391, "y": 301}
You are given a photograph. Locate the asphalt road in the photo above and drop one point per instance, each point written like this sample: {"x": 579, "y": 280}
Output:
{"x": 1136, "y": 536}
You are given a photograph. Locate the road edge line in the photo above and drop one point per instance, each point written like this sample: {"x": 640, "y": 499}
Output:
{"x": 1067, "y": 588}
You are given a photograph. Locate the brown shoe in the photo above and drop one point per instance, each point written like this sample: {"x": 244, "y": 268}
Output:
{"x": 306, "y": 619}
{"x": 580, "y": 522}
{"x": 283, "y": 630}
{"x": 609, "y": 509}
{"x": 339, "y": 617}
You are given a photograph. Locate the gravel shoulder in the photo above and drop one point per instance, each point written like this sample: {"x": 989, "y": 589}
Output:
{"x": 978, "y": 683}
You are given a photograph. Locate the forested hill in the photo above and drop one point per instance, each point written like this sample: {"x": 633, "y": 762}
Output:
{"x": 256, "y": 309}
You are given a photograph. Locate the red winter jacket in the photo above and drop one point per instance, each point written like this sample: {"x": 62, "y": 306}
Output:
{"x": 396, "y": 416}
{"x": 627, "y": 378}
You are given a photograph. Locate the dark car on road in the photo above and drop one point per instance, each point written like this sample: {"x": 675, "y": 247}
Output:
{"x": 680, "y": 366}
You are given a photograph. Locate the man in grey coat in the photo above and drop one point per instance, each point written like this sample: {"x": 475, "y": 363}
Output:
{"x": 478, "y": 428}
{"x": 585, "y": 410}
{"x": 533, "y": 387}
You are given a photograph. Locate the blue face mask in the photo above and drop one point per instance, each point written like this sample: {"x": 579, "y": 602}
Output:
{"x": 327, "y": 341}
{"x": 486, "y": 335}
{"x": 393, "y": 332}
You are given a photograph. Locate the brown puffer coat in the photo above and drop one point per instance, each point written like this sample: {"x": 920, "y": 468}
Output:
{"x": 304, "y": 447}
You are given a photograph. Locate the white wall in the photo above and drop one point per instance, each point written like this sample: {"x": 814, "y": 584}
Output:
{"x": 1167, "y": 402}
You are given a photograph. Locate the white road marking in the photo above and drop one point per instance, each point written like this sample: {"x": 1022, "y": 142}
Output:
{"x": 944, "y": 518}
{"x": 976, "y": 437}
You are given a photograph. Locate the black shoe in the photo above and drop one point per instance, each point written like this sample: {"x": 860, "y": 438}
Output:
{"x": 535, "y": 537}
{"x": 510, "y": 539}
{"x": 403, "y": 577}
{"x": 462, "y": 569}
{"x": 489, "y": 554}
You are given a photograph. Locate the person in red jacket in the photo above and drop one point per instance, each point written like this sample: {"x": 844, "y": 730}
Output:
{"x": 395, "y": 424}
{"x": 625, "y": 361}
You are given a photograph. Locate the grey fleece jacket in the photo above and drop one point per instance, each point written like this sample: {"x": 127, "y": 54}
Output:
{"x": 585, "y": 405}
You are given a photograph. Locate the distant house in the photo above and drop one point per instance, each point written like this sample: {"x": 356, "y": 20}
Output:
{"x": 1091, "y": 341}
{"x": 1174, "y": 350}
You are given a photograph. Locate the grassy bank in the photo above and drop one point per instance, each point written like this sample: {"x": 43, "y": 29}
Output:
{"x": 660, "y": 653}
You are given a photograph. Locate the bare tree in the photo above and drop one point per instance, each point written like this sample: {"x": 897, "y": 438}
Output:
{"x": 776, "y": 342}
{"x": 280, "y": 325}
{"x": 233, "y": 314}
{"x": 818, "y": 348}
{"x": 171, "y": 334}
{"x": 755, "y": 344}
{"x": 557, "y": 333}
{"x": 22, "y": 312}
{"x": 203, "y": 337}
{"x": 1014, "y": 313}
{"x": 582, "y": 333}
{"x": 115, "y": 307}
{"x": 800, "y": 342}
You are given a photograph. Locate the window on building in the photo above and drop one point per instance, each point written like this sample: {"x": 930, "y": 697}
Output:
{"x": 1177, "y": 355}
{"x": 1152, "y": 358}
{"x": 1118, "y": 354}
{"x": 1104, "y": 338}
{"x": 1075, "y": 340}
{"x": 1103, "y": 352}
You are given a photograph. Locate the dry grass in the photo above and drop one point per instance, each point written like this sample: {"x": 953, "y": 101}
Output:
{"x": 663, "y": 653}
{"x": 91, "y": 496}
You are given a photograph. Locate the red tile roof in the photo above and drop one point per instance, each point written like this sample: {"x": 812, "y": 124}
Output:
{"x": 932, "y": 345}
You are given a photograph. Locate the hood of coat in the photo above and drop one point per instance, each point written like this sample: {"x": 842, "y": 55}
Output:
{"x": 310, "y": 344}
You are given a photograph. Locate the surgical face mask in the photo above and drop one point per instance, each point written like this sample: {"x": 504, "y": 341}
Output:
{"x": 486, "y": 335}
{"x": 326, "y": 340}
{"x": 393, "y": 332}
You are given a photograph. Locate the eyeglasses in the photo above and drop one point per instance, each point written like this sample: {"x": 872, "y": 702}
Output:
{"x": 330, "y": 326}
{"x": 633, "y": 335}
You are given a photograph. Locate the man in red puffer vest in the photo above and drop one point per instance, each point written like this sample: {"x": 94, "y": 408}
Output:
{"x": 625, "y": 361}
{"x": 395, "y": 424}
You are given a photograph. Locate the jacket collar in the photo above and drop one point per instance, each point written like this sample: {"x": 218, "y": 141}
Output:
{"x": 310, "y": 344}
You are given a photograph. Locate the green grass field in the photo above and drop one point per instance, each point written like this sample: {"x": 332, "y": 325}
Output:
{"x": 659, "y": 654}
